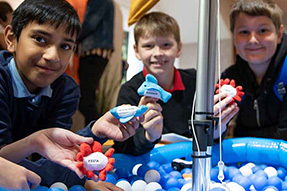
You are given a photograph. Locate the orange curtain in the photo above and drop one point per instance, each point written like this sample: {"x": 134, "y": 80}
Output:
{"x": 138, "y": 8}
{"x": 80, "y": 7}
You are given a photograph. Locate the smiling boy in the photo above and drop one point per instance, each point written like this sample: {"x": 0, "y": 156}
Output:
{"x": 261, "y": 48}
{"x": 36, "y": 94}
{"x": 157, "y": 45}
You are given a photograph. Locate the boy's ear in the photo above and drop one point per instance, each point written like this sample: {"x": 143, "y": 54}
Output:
{"x": 280, "y": 34}
{"x": 10, "y": 39}
{"x": 137, "y": 52}
{"x": 179, "y": 49}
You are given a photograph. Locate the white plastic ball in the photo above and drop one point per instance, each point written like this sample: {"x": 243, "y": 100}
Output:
{"x": 270, "y": 189}
{"x": 152, "y": 176}
{"x": 250, "y": 165}
{"x": 186, "y": 186}
{"x": 135, "y": 169}
{"x": 152, "y": 186}
{"x": 139, "y": 185}
{"x": 59, "y": 185}
{"x": 216, "y": 185}
{"x": 246, "y": 171}
{"x": 125, "y": 185}
{"x": 270, "y": 171}
{"x": 234, "y": 186}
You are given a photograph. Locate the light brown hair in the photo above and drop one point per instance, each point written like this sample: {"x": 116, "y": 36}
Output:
{"x": 266, "y": 8}
{"x": 158, "y": 24}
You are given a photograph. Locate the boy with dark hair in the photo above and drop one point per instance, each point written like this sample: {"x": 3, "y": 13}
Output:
{"x": 260, "y": 67}
{"x": 158, "y": 44}
{"x": 36, "y": 94}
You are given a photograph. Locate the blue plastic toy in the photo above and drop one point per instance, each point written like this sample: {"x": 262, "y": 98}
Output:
{"x": 124, "y": 113}
{"x": 152, "y": 89}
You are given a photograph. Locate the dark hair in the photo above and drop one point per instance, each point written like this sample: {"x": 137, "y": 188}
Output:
{"x": 4, "y": 9}
{"x": 156, "y": 23}
{"x": 54, "y": 12}
{"x": 266, "y": 8}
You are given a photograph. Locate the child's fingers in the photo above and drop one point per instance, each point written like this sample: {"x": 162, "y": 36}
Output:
{"x": 230, "y": 113}
{"x": 154, "y": 106}
{"x": 217, "y": 96}
{"x": 33, "y": 178}
{"x": 221, "y": 105}
{"x": 144, "y": 100}
{"x": 78, "y": 139}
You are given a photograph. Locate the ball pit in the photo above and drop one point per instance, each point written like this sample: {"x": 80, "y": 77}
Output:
{"x": 252, "y": 164}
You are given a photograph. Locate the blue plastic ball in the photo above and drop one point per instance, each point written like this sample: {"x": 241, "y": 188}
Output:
{"x": 143, "y": 169}
{"x": 173, "y": 189}
{"x": 244, "y": 182}
{"x": 237, "y": 177}
{"x": 252, "y": 177}
{"x": 284, "y": 185}
{"x": 263, "y": 166}
{"x": 261, "y": 173}
{"x": 163, "y": 179}
{"x": 186, "y": 171}
{"x": 281, "y": 172}
{"x": 256, "y": 168}
{"x": 153, "y": 165}
{"x": 181, "y": 182}
{"x": 276, "y": 182}
{"x": 175, "y": 174}
{"x": 77, "y": 188}
{"x": 167, "y": 167}
{"x": 231, "y": 172}
{"x": 259, "y": 182}
{"x": 171, "y": 182}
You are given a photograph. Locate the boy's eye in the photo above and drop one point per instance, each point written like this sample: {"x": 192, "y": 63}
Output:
{"x": 244, "y": 32}
{"x": 167, "y": 45}
{"x": 66, "y": 47}
{"x": 262, "y": 31}
{"x": 40, "y": 39}
{"x": 147, "y": 46}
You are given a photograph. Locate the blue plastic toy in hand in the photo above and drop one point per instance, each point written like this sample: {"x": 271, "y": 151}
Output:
{"x": 152, "y": 89}
{"x": 124, "y": 113}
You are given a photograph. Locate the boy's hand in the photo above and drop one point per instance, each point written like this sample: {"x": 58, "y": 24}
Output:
{"x": 16, "y": 177}
{"x": 110, "y": 127}
{"x": 153, "y": 123}
{"x": 56, "y": 144}
{"x": 60, "y": 146}
{"x": 228, "y": 111}
{"x": 103, "y": 186}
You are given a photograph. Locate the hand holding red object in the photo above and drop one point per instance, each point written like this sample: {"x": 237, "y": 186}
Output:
{"x": 228, "y": 86}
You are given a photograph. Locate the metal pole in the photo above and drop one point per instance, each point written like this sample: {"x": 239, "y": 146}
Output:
{"x": 204, "y": 95}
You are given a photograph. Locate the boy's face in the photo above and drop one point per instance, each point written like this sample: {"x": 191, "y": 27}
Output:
{"x": 158, "y": 53}
{"x": 256, "y": 38}
{"x": 42, "y": 53}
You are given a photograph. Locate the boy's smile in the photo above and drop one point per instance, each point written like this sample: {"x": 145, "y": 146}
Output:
{"x": 41, "y": 53}
{"x": 256, "y": 38}
{"x": 158, "y": 53}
